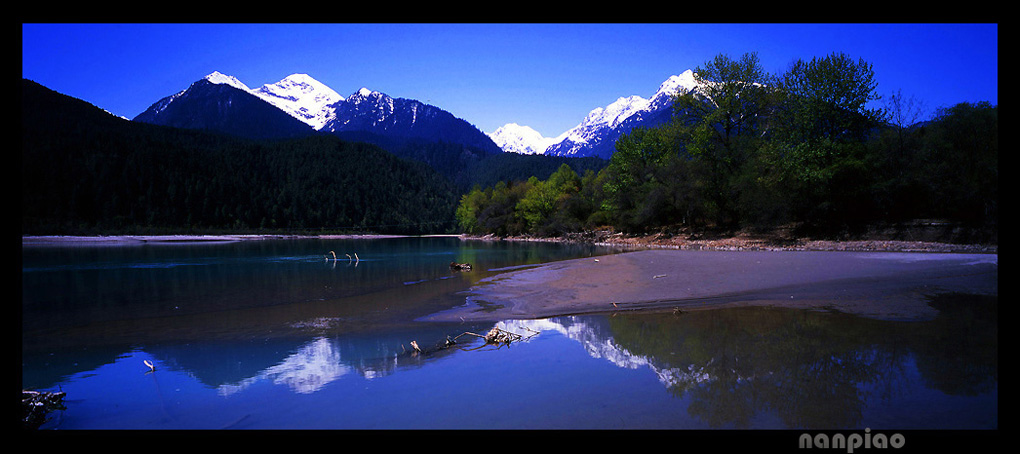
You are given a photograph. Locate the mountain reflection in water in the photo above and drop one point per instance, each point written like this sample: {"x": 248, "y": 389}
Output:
{"x": 271, "y": 335}
{"x": 817, "y": 370}
{"x": 752, "y": 367}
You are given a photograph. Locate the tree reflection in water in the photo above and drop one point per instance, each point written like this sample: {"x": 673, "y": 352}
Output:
{"x": 812, "y": 370}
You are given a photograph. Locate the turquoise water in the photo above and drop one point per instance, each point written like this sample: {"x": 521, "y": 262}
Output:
{"x": 272, "y": 335}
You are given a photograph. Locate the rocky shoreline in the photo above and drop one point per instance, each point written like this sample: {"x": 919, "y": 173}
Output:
{"x": 741, "y": 241}
{"x": 754, "y": 242}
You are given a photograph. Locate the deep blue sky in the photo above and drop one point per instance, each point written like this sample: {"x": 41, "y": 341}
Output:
{"x": 547, "y": 76}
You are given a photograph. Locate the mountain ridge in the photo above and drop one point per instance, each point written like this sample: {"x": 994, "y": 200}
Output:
{"x": 377, "y": 114}
{"x": 222, "y": 104}
{"x": 316, "y": 106}
{"x": 597, "y": 132}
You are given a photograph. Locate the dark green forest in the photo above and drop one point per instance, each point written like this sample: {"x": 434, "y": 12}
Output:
{"x": 757, "y": 151}
{"x": 86, "y": 172}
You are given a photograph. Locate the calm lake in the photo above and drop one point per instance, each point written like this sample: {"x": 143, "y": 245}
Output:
{"x": 275, "y": 334}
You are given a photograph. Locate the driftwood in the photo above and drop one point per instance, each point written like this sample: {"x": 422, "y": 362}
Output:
{"x": 460, "y": 266}
{"x": 36, "y": 404}
{"x": 495, "y": 336}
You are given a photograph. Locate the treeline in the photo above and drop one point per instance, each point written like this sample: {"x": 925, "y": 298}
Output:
{"x": 86, "y": 172}
{"x": 754, "y": 150}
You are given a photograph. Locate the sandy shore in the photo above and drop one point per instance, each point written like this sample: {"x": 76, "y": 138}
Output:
{"x": 886, "y": 285}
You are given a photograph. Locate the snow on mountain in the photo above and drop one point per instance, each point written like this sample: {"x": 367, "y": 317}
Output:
{"x": 605, "y": 118}
{"x": 675, "y": 84}
{"x": 219, "y": 78}
{"x": 380, "y": 104}
{"x": 364, "y": 107}
{"x": 599, "y": 129}
{"x": 299, "y": 95}
{"x": 516, "y": 138}
{"x": 317, "y": 105}
{"x": 303, "y": 98}
{"x": 601, "y": 126}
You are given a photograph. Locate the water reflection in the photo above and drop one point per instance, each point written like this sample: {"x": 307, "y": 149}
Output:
{"x": 269, "y": 328}
{"x": 726, "y": 368}
{"x": 302, "y": 367}
{"x": 810, "y": 369}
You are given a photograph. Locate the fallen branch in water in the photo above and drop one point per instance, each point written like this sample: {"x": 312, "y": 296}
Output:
{"x": 495, "y": 336}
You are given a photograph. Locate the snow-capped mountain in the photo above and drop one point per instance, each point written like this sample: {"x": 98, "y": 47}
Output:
{"x": 222, "y": 103}
{"x": 365, "y": 115}
{"x": 597, "y": 133}
{"x": 372, "y": 116}
{"x": 299, "y": 95}
{"x": 516, "y": 138}
{"x": 219, "y": 78}
{"x": 302, "y": 97}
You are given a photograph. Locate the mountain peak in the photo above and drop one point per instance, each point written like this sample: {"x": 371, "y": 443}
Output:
{"x": 680, "y": 83}
{"x": 365, "y": 92}
{"x": 303, "y": 97}
{"x": 217, "y": 77}
{"x": 516, "y": 138}
{"x": 598, "y": 131}
{"x": 209, "y": 104}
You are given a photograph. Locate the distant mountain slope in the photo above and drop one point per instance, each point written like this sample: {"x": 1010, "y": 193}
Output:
{"x": 372, "y": 112}
{"x": 85, "y": 171}
{"x": 521, "y": 139}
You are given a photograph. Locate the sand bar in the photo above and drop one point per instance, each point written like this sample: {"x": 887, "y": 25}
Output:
{"x": 887, "y": 285}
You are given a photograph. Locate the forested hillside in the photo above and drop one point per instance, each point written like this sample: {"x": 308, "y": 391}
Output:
{"x": 87, "y": 172}
{"x": 757, "y": 151}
